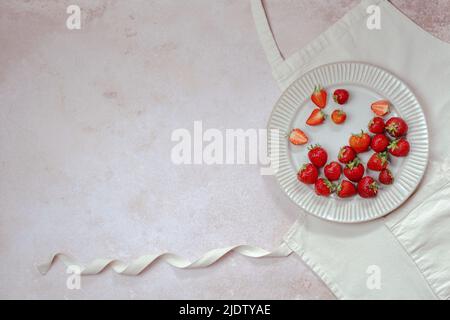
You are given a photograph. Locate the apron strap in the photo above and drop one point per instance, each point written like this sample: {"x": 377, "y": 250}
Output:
{"x": 265, "y": 34}
{"x": 142, "y": 263}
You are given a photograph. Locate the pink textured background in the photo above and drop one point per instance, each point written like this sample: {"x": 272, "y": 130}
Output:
{"x": 85, "y": 124}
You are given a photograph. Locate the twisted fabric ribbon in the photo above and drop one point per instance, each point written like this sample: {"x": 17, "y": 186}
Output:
{"x": 140, "y": 264}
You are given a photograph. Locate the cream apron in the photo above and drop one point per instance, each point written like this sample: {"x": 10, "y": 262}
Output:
{"x": 409, "y": 250}
{"x": 411, "y": 247}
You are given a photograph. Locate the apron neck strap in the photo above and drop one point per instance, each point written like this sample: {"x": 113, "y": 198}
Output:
{"x": 266, "y": 37}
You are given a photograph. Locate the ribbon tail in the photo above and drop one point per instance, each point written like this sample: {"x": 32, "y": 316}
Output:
{"x": 137, "y": 266}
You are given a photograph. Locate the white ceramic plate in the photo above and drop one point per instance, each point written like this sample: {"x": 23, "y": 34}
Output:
{"x": 366, "y": 84}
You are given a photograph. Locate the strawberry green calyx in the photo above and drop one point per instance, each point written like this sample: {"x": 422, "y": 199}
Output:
{"x": 374, "y": 186}
{"x": 331, "y": 186}
{"x": 318, "y": 89}
{"x": 392, "y": 128}
{"x": 313, "y": 146}
{"x": 361, "y": 134}
{"x": 354, "y": 163}
{"x": 393, "y": 144}
{"x": 383, "y": 156}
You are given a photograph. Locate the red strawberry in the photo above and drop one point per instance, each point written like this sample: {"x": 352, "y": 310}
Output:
{"x": 396, "y": 127}
{"x": 316, "y": 117}
{"x": 340, "y": 96}
{"x": 367, "y": 187}
{"x": 399, "y": 147}
{"x": 346, "y": 154}
{"x": 317, "y": 155}
{"x": 345, "y": 189}
{"x": 338, "y": 116}
{"x": 332, "y": 171}
{"x": 381, "y": 108}
{"x": 378, "y": 161}
{"x": 376, "y": 125}
{"x": 354, "y": 170}
{"x": 360, "y": 142}
{"x": 379, "y": 142}
{"x": 298, "y": 137}
{"x": 324, "y": 187}
{"x": 319, "y": 97}
{"x": 308, "y": 174}
{"x": 386, "y": 177}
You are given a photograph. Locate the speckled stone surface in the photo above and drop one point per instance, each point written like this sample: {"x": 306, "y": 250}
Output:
{"x": 85, "y": 124}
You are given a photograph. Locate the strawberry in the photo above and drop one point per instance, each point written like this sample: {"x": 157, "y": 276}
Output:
{"x": 298, "y": 137}
{"x": 399, "y": 147}
{"x": 338, "y": 116}
{"x": 367, "y": 187}
{"x": 346, "y": 154}
{"x": 308, "y": 174}
{"x": 324, "y": 187}
{"x": 386, "y": 177}
{"x": 345, "y": 189}
{"x": 396, "y": 127}
{"x": 376, "y": 125}
{"x": 332, "y": 171}
{"x": 381, "y": 108}
{"x": 360, "y": 142}
{"x": 317, "y": 155}
{"x": 379, "y": 142}
{"x": 319, "y": 97}
{"x": 354, "y": 170}
{"x": 316, "y": 117}
{"x": 378, "y": 161}
{"x": 340, "y": 96}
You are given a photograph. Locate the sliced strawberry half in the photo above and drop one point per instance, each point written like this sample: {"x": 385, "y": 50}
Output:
{"x": 319, "y": 97}
{"x": 317, "y": 117}
{"x": 381, "y": 107}
{"x": 298, "y": 137}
